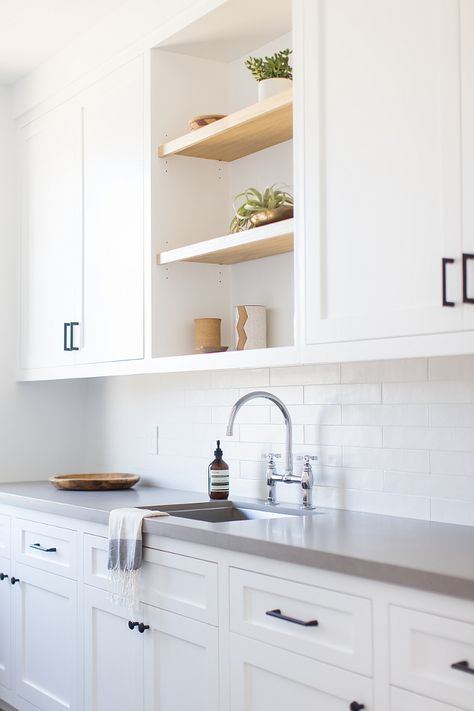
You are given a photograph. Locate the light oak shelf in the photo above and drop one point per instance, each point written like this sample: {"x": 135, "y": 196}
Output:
{"x": 252, "y": 129}
{"x": 264, "y": 241}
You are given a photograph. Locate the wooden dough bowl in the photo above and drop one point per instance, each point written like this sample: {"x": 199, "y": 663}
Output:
{"x": 93, "y": 482}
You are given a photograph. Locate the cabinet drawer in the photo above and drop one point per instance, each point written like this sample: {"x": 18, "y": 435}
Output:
{"x": 4, "y": 536}
{"x": 265, "y": 677}
{"x": 178, "y": 583}
{"x": 401, "y": 700}
{"x": 50, "y": 548}
{"x": 342, "y": 636}
{"x": 423, "y": 648}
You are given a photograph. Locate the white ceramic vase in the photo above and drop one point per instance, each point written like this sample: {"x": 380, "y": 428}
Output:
{"x": 270, "y": 87}
{"x": 250, "y": 327}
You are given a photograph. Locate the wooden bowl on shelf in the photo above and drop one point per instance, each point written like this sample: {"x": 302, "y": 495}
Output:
{"x": 199, "y": 121}
{"x": 94, "y": 482}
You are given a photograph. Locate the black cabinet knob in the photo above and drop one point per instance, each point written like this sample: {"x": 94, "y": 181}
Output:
{"x": 14, "y": 580}
{"x": 132, "y": 625}
{"x": 3, "y": 576}
{"x": 142, "y": 627}
{"x": 355, "y": 706}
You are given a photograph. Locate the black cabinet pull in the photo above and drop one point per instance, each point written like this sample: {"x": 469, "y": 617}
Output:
{"x": 72, "y": 347}
{"x": 39, "y": 547}
{"x": 65, "y": 337}
{"x": 3, "y": 576}
{"x": 132, "y": 625}
{"x": 14, "y": 580}
{"x": 142, "y": 627}
{"x": 278, "y": 614}
{"x": 444, "y": 262}
{"x": 463, "y": 666}
{"x": 355, "y": 706}
{"x": 465, "y": 298}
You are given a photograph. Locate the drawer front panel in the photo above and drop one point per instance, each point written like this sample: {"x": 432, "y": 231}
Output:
{"x": 49, "y": 548}
{"x": 178, "y": 583}
{"x": 423, "y": 648}
{"x": 343, "y": 635}
{"x": 265, "y": 677}
{"x": 401, "y": 700}
{"x": 4, "y": 536}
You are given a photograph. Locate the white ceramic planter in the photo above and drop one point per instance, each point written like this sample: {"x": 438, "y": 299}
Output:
{"x": 270, "y": 87}
{"x": 250, "y": 327}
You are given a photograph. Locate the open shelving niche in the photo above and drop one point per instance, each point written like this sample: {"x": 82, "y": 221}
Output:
{"x": 196, "y": 175}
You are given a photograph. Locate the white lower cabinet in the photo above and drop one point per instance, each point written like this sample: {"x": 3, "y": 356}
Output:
{"x": 265, "y": 677}
{"x": 113, "y": 656}
{"x": 221, "y": 631}
{"x": 5, "y": 623}
{"x": 181, "y": 663}
{"x": 47, "y": 660}
{"x": 169, "y": 664}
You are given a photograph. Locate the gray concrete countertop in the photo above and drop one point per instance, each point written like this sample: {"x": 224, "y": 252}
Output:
{"x": 420, "y": 554}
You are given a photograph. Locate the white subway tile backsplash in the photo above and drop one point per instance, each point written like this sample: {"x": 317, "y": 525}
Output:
{"x": 453, "y": 463}
{"x": 452, "y": 415}
{"x": 452, "y": 368}
{"x": 407, "y": 483}
{"x": 304, "y": 414}
{"x": 342, "y": 394}
{"x": 306, "y": 374}
{"x": 291, "y": 395}
{"x": 413, "y": 414}
{"x": 393, "y": 437}
{"x": 344, "y": 436}
{"x": 432, "y": 392}
{"x": 257, "y": 378}
{"x": 385, "y": 371}
{"x": 395, "y": 459}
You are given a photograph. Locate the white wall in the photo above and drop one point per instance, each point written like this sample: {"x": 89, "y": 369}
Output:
{"x": 41, "y": 424}
{"x": 393, "y": 437}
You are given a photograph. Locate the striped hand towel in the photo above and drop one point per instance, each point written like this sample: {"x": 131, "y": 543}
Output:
{"x": 125, "y": 553}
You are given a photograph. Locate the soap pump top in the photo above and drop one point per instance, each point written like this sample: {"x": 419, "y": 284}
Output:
{"x": 218, "y": 476}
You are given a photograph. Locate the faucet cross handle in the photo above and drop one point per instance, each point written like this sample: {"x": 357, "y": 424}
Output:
{"x": 306, "y": 457}
{"x": 271, "y": 455}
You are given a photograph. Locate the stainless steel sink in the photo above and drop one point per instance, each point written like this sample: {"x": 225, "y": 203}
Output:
{"x": 219, "y": 512}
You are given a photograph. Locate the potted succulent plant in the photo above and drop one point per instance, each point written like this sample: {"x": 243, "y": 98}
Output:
{"x": 273, "y": 74}
{"x": 260, "y": 208}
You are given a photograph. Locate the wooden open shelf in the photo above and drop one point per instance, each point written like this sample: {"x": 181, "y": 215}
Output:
{"x": 252, "y": 129}
{"x": 265, "y": 241}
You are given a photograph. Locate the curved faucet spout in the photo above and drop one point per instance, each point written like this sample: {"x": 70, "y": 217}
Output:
{"x": 286, "y": 416}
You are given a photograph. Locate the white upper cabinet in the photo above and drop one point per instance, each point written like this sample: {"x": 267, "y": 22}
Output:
{"x": 382, "y": 132}
{"x": 113, "y": 129}
{"x": 51, "y": 237}
{"x": 82, "y": 226}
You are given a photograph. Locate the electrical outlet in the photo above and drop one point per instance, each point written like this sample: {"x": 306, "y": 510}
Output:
{"x": 154, "y": 440}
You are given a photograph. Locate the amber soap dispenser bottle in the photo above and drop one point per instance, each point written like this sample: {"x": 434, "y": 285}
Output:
{"x": 218, "y": 476}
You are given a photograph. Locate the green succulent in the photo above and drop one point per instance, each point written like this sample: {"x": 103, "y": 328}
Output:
{"x": 255, "y": 201}
{"x": 275, "y": 67}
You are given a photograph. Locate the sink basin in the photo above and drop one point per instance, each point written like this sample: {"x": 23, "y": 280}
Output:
{"x": 215, "y": 512}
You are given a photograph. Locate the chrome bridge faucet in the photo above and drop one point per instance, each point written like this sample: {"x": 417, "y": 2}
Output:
{"x": 306, "y": 480}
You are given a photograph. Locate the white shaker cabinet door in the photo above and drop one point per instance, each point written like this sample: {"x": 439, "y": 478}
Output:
{"x": 113, "y": 115}
{"x": 181, "y": 663}
{"x": 113, "y": 654}
{"x": 51, "y": 237}
{"x": 5, "y": 623}
{"x": 265, "y": 677}
{"x": 382, "y": 204}
{"x": 47, "y": 658}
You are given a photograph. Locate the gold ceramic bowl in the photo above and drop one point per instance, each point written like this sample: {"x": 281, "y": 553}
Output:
{"x": 265, "y": 217}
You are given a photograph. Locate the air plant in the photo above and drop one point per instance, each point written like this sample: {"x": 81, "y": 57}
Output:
{"x": 255, "y": 202}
